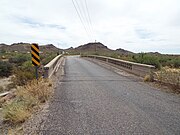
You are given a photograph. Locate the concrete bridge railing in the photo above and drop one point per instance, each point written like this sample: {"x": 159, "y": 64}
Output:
{"x": 52, "y": 66}
{"x": 135, "y": 68}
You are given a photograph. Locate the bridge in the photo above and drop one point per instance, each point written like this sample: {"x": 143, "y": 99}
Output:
{"x": 98, "y": 96}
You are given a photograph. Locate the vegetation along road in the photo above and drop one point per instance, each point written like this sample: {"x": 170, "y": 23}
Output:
{"x": 93, "y": 100}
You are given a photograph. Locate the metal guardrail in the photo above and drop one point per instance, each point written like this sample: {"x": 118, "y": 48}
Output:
{"x": 52, "y": 66}
{"x": 132, "y": 67}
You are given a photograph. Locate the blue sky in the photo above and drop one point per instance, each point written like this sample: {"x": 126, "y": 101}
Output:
{"x": 135, "y": 25}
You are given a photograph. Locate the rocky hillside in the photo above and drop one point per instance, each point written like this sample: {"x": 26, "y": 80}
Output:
{"x": 97, "y": 47}
{"x": 93, "y": 47}
{"x": 123, "y": 52}
{"x": 90, "y": 48}
{"x": 26, "y": 47}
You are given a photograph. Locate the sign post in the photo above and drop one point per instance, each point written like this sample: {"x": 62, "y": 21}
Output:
{"x": 35, "y": 57}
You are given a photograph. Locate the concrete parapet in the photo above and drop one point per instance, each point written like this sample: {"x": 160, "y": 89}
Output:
{"x": 132, "y": 67}
{"x": 52, "y": 66}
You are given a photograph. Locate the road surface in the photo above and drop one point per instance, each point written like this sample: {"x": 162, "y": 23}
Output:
{"x": 91, "y": 100}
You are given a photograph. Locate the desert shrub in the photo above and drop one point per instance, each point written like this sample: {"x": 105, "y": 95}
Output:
{"x": 1, "y": 89}
{"x": 5, "y": 69}
{"x": 92, "y": 53}
{"x": 15, "y": 112}
{"x": 2, "y": 51}
{"x": 148, "y": 78}
{"x": 47, "y": 58}
{"x": 176, "y": 63}
{"x": 40, "y": 89}
{"x": 10, "y": 86}
{"x": 20, "y": 59}
{"x": 23, "y": 76}
{"x": 27, "y": 66}
{"x": 114, "y": 55}
{"x": 126, "y": 57}
{"x": 35, "y": 89}
{"x": 147, "y": 59}
{"x": 169, "y": 76}
{"x": 27, "y": 98}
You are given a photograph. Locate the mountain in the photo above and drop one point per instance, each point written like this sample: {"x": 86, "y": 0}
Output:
{"x": 26, "y": 47}
{"x": 97, "y": 48}
{"x": 89, "y": 48}
{"x": 2, "y": 45}
{"x": 49, "y": 48}
{"x": 93, "y": 47}
{"x": 123, "y": 52}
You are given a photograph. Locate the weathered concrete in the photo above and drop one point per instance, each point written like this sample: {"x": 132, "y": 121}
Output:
{"x": 52, "y": 66}
{"x": 135, "y": 68}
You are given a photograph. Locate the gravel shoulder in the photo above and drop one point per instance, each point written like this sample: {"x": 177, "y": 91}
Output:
{"x": 38, "y": 119}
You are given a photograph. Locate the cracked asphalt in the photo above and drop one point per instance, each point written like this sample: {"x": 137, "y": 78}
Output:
{"x": 92, "y": 100}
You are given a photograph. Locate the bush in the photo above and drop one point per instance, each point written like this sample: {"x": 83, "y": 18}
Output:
{"x": 1, "y": 89}
{"x": 2, "y": 51}
{"x": 148, "y": 78}
{"x": 23, "y": 76}
{"x": 27, "y": 98}
{"x": 147, "y": 59}
{"x": 27, "y": 65}
{"x": 47, "y": 58}
{"x": 169, "y": 76}
{"x": 176, "y": 63}
{"x": 10, "y": 86}
{"x": 20, "y": 59}
{"x": 5, "y": 69}
{"x": 40, "y": 89}
{"x": 15, "y": 112}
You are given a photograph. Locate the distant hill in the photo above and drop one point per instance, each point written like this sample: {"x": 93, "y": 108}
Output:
{"x": 2, "y": 45}
{"x": 26, "y": 47}
{"x": 93, "y": 47}
{"x": 154, "y": 53}
{"x": 49, "y": 48}
{"x": 97, "y": 47}
{"x": 123, "y": 52}
{"x": 89, "y": 48}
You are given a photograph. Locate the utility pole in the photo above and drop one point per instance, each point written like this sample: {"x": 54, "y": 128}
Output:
{"x": 95, "y": 47}
{"x": 58, "y": 48}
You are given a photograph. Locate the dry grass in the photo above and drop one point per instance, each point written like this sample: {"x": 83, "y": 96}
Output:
{"x": 169, "y": 76}
{"x": 10, "y": 86}
{"x": 16, "y": 112}
{"x": 1, "y": 89}
{"x": 40, "y": 89}
{"x": 147, "y": 78}
{"x": 27, "y": 98}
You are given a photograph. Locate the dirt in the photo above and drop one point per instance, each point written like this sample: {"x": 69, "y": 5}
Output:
{"x": 164, "y": 87}
{"x": 4, "y": 82}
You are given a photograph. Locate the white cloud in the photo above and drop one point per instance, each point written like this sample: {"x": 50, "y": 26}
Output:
{"x": 136, "y": 25}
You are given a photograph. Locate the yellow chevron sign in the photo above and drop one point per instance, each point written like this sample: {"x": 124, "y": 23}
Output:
{"x": 35, "y": 54}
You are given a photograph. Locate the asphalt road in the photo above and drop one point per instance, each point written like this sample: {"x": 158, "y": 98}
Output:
{"x": 91, "y": 100}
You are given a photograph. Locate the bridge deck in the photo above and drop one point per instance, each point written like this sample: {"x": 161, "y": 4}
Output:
{"x": 93, "y": 100}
